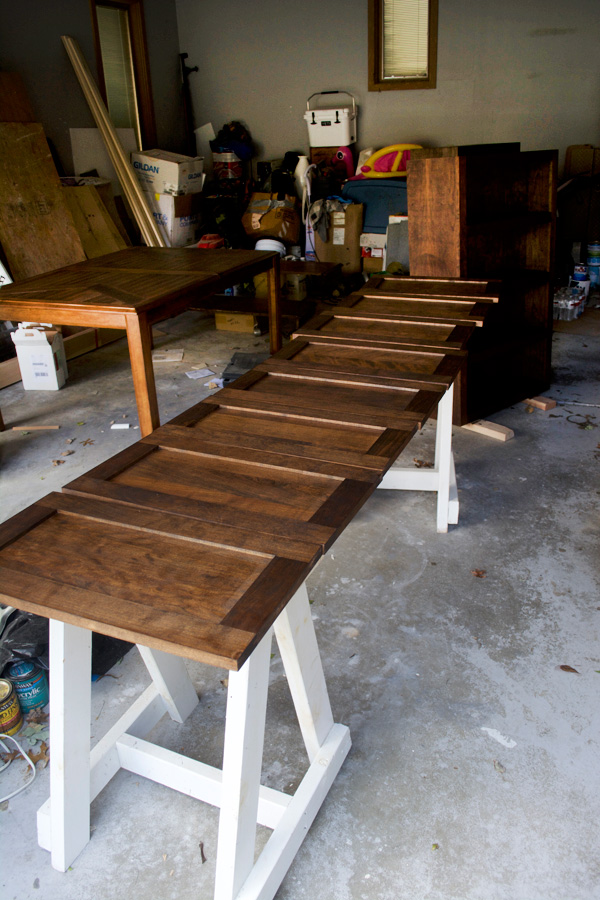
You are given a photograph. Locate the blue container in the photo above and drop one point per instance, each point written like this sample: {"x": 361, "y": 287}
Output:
{"x": 30, "y": 684}
{"x": 382, "y": 198}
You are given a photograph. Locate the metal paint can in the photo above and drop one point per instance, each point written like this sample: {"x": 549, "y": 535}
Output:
{"x": 30, "y": 684}
{"x": 11, "y": 717}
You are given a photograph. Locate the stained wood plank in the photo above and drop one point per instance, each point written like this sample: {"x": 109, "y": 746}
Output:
{"x": 174, "y": 438}
{"x": 387, "y": 365}
{"x": 212, "y": 512}
{"x": 457, "y": 312}
{"x": 337, "y": 448}
{"x": 338, "y": 326}
{"x": 328, "y": 399}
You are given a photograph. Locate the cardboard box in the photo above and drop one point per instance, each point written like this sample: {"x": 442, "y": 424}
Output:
{"x": 41, "y": 355}
{"x": 370, "y": 265}
{"x": 241, "y": 322}
{"x": 162, "y": 172}
{"x": 343, "y": 240}
{"x": 179, "y": 218}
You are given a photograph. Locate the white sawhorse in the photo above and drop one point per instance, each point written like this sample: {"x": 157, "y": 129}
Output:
{"x": 77, "y": 776}
{"x": 442, "y": 478}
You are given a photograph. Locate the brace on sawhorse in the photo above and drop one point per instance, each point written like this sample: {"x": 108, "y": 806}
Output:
{"x": 442, "y": 478}
{"x": 77, "y": 776}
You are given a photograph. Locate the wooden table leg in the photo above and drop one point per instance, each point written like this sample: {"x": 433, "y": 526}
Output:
{"x": 139, "y": 338}
{"x": 274, "y": 303}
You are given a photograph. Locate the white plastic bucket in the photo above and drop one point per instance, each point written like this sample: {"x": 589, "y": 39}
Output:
{"x": 272, "y": 245}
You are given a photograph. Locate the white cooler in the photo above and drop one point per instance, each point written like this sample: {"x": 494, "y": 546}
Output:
{"x": 331, "y": 127}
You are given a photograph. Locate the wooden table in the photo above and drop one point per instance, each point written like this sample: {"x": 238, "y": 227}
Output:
{"x": 133, "y": 289}
{"x": 226, "y": 510}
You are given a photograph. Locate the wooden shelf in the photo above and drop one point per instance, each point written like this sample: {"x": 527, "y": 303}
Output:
{"x": 491, "y": 214}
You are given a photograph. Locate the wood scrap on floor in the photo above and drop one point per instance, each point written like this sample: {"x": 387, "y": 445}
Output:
{"x": 490, "y": 429}
{"x": 543, "y": 403}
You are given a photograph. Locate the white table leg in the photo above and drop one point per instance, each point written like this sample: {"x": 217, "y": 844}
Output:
{"x": 242, "y": 762}
{"x": 70, "y": 714}
{"x": 172, "y": 682}
{"x": 442, "y": 478}
{"x": 443, "y": 457}
{"x": 297, "y": 643}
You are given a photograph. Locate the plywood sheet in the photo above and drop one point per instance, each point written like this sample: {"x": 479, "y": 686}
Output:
{"x": 37, "y": 231}
{"x": 99, "y": 234}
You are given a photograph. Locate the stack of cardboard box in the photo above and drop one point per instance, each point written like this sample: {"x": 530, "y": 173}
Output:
{"x": 173, "y": 184}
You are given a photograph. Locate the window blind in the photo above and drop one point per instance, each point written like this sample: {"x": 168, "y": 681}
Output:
{"x": 405, "y": 39}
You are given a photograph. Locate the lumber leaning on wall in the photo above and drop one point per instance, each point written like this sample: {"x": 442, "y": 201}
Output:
{"x": 129, "y": 182}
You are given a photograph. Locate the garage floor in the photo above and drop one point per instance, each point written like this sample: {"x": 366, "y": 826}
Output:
{"x": 474, "y": 773}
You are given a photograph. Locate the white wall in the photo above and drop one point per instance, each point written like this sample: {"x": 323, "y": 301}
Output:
{"x": 516, "y": 70}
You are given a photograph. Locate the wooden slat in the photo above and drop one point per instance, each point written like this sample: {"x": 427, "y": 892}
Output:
{"x": 427, "y": 365}
{"x": 339, "y": 326}
{"x": 213, "y": 512}
{"x": 326, "y": 398}
{"x": 343, "y": 446}
{"x": 182, "y": 439}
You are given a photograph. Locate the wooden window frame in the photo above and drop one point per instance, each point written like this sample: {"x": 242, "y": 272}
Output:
{"x": 376, "y": 82}
{"x": 141, "y": 64}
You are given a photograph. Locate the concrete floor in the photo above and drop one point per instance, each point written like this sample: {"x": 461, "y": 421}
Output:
{"x": 474, "y": 772}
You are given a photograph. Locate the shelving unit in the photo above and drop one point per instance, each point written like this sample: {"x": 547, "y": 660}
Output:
{"x": 482, "y": 212}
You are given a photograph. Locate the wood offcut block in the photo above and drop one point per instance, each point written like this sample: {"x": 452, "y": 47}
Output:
{"x": 491, "y": 430}
{"x": 541, "y": 403}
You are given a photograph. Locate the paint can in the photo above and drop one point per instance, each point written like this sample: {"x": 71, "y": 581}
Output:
{"x": 580, "y": 272}
{"x": 11, "y": 717}
{"x": 30, "y": 684}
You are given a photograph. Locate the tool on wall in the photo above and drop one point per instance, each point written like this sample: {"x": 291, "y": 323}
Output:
{"x": 188, "y": 112}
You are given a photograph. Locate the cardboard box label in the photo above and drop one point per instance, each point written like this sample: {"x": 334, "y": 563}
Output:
{"x": 159, "y": 171}
{"x": 338, "y": 235}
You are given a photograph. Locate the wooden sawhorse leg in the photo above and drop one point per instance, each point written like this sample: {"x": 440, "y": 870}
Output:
{"x": 63, "y": 826}
{"x": 442, "y": 478}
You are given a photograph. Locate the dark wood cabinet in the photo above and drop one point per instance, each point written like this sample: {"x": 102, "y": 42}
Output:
{"x": 480, "y": 213}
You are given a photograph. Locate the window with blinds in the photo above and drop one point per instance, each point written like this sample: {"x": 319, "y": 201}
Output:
{"x": 402, "y": 44}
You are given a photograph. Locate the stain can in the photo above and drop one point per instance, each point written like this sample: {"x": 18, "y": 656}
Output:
{"x": 11, "y": 717}
{"x": 30, "y": 684}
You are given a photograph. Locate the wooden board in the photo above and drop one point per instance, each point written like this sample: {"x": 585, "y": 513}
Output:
{"x": 332, "y": 399}
{"x": 37, "y": 231}
{"x": 379, "y": 364}
{"x": 207, "y": 593}
{"x": 449, "y": 311}
{"x": 342, "y": 325}
{"x": 484, "y": 290}
{"x": 98, "y": 233}
{"x": 343, "y": 449}
{"x": 257, "y": 494}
